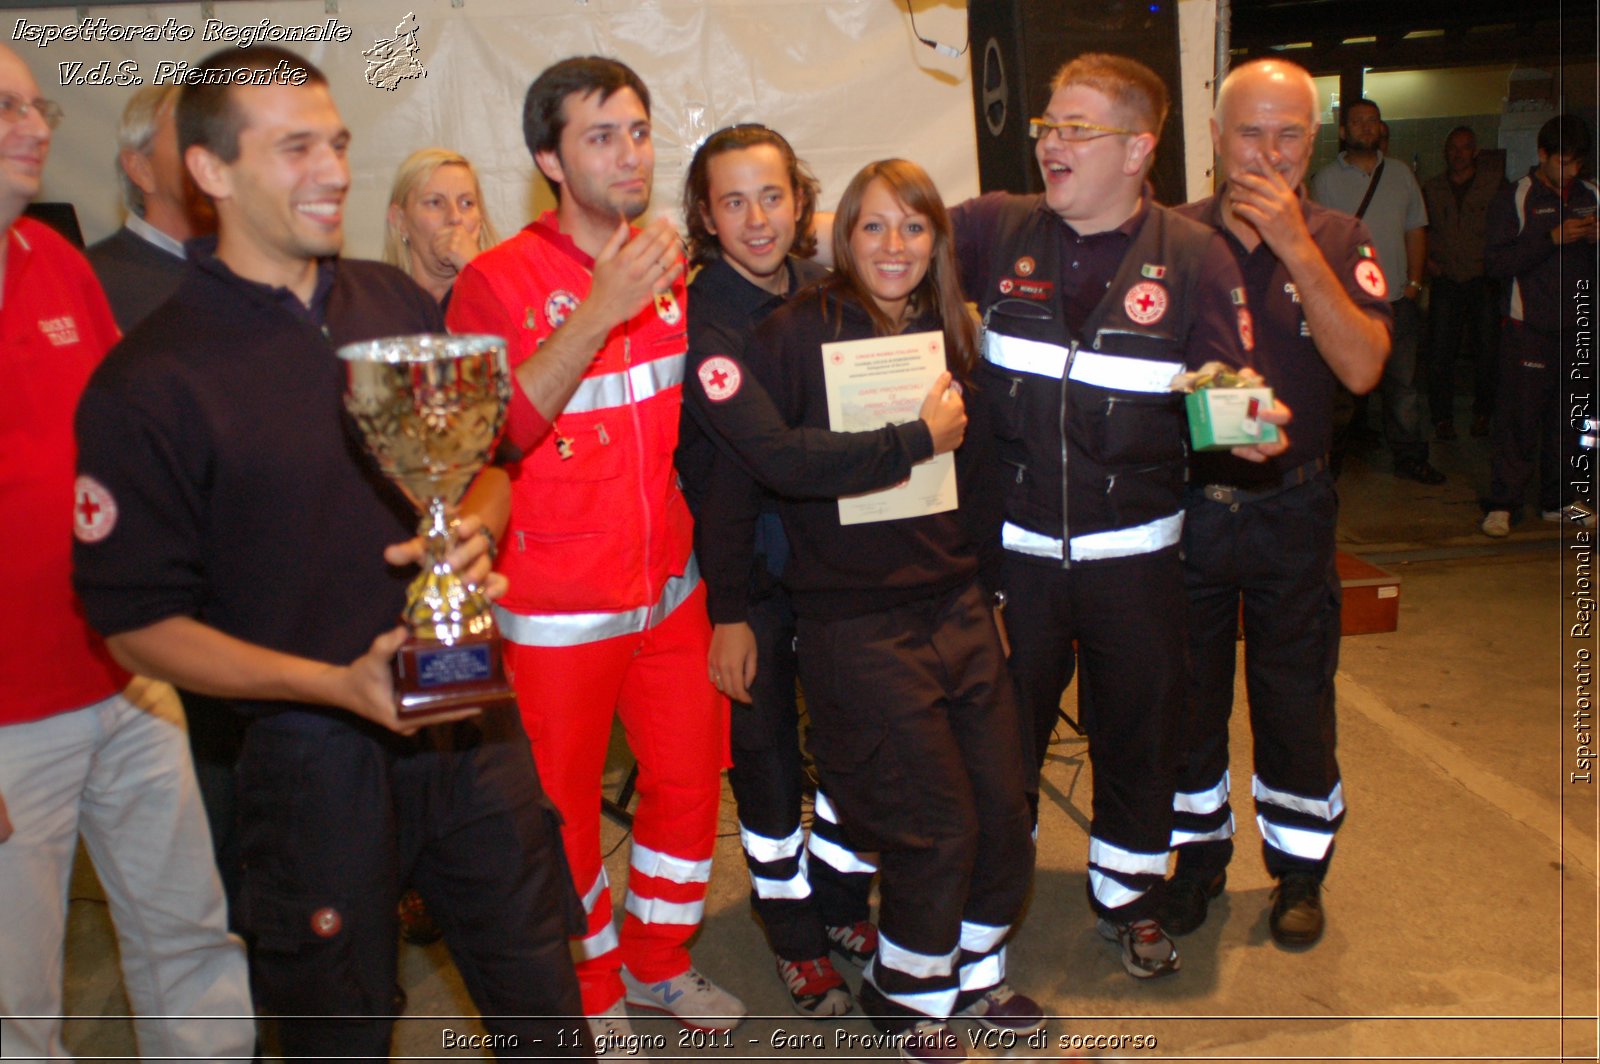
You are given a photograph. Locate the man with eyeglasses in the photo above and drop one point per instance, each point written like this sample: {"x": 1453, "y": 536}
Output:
{"x": 75, "y": 754}
{"x": 1094, "y": 297}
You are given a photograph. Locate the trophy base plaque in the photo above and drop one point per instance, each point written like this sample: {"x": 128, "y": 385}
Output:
{"x": 433, "y": 679}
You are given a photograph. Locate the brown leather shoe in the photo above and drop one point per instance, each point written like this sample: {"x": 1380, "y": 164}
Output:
{"x": 1296, "y": 919}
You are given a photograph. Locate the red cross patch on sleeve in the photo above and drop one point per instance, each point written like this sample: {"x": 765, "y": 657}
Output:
{"x": 719, "y": 376}
{"x": 1369, "y": 275}
{"x": 94, "y": 511}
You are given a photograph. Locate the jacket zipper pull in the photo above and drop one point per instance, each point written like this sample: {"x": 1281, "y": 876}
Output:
{"x": 604, "y": 437}
{"x": 563, "y": 447}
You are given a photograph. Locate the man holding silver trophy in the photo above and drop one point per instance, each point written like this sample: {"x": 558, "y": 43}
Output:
{"x": 244, "y": 557}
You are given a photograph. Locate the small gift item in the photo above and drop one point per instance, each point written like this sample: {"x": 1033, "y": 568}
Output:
{"x": 1225, "y": 407}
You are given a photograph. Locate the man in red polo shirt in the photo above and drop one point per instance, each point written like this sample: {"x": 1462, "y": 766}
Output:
{"x": 74, "y": 753}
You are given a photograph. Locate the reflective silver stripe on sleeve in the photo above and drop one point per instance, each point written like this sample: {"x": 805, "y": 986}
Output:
{"x": 613, "y": 389}
{"x": 1323, "y": 808}
{"x": 576, "y": 629}
{"x": 1125, "y": 374}
{"x": 1025, "y": 356}
{"x": 1147, "y": 538}
{"x": 1300, "y": 842}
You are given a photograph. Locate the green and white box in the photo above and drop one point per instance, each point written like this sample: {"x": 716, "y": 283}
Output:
{"x": 1220, "y": 418}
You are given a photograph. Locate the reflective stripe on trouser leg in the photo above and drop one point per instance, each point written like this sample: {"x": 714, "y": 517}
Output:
{"x": 677, "y": 725}
{"x": 1297, "y": 826}
{"x": 983, "y": 956}
{"x": 767, "y": 779}
{"x": 841, "y": 878}
{"x": 828, "y": 843}
{"x": 1128, "y": 619}
{"x": 922, "y": 982}
{"x": 1202, "y": 816}
{"x": 1291, "y": 625}
{"x": 1119, "y": 877}
{"x": 937, "y": 793}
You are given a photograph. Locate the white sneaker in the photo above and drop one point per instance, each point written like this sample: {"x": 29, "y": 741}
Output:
{"x": 1497, "y": 524}
{"x": 613, "y": 1034}
{"x": 696, "y": 1001}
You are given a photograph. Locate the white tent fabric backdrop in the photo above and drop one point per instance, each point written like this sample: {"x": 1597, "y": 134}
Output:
{"x": 844, "y": 80}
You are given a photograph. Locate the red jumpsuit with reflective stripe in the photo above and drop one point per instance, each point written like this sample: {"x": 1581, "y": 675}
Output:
{"x": 605, "y": 612}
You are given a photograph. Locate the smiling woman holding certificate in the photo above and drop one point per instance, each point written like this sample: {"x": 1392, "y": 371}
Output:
{"x": 914, "y": 727}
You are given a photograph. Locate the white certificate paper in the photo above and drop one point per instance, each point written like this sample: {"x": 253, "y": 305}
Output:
{"x": 881, "y": 381}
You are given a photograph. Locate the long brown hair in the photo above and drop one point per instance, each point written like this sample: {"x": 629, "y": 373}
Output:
{"x": 703, "y": 246}
{"x": 940, "y": 290}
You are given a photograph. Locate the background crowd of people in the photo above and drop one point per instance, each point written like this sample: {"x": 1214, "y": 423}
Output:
{"x": 663, "y": 534}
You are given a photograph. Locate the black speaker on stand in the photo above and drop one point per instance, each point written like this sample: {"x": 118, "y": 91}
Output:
{"x": 1017, "y": 47}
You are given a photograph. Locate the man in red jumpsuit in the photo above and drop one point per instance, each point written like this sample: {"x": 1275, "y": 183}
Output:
{"x": 606, "y": 613}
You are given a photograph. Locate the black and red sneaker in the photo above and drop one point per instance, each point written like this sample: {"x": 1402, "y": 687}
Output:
{"x": 815, "y": 987}
{"x": 856, "y": 943}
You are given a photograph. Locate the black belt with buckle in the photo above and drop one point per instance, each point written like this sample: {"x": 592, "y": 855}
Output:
{"x": 1293, "y": 479}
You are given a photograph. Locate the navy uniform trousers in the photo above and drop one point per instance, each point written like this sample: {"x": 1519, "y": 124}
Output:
{"x": 915, "y": 733}
{"x": 1126, "y": 616}
{"x": 797, "y": 891}
{"x": 336, "y": 816}
{"x": 1276, "y": 556}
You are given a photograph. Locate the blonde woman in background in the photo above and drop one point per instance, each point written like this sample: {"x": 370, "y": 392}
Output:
{"x": 437, "y": 221}
{"x": 437, "y": 224}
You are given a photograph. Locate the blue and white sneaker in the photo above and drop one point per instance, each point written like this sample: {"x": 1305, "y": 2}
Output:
{"x": 696, "y": 1001}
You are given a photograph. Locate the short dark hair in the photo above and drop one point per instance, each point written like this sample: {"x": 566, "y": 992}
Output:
{"x": 703, "y": 246}
{"x": 1565, "y": 136}
{"x": 543, "y": 113}
{"x": 1346, "y": 108}
{"x": 207, "y": 115}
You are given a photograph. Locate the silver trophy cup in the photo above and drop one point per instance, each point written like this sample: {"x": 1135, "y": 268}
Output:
{"x": 430, "y": 408}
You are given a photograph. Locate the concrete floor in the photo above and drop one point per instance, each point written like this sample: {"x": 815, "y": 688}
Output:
{"x": 1461, "y": 907}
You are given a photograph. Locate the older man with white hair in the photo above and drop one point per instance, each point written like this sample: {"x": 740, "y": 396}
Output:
{"x": 1263, "y": 533}
{"x": 140, "y": 265}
